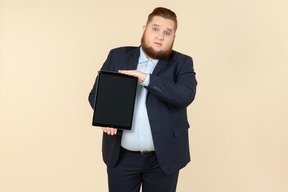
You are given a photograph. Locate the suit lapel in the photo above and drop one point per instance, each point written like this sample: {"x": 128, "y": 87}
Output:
{"x": 161, "y": 65}
{"x": 133, "y": 59}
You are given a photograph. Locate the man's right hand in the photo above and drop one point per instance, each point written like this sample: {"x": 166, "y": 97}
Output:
{"x": 109, "y": 131}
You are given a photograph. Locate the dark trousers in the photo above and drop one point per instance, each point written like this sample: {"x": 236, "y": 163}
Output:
{"x": 134, "y": 169}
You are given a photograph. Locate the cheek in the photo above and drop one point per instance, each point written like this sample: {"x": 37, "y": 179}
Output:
{"x": 169, "y": 43}
{"x": 149, "y": 38}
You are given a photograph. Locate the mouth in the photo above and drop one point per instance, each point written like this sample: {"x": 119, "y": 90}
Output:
{"x": 158, "y": 44}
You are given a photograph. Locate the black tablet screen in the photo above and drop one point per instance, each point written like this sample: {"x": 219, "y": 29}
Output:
{"x": 115, "y": 97}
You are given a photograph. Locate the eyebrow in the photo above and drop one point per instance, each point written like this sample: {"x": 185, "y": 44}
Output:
{"x": 156, "y": 25}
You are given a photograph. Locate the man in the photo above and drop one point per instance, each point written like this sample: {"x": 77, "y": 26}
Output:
{"x": 157, "y": 146}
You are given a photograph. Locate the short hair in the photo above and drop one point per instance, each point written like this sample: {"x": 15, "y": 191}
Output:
{"x": 165, "y": 13}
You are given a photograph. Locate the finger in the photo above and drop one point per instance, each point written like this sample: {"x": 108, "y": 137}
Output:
{"x": 114, "y": 131}
{"x": 127, "y": 72}
{"x": 109, "y": 131}
{"x": 105, "y": 129}
{"x": 141, "y": 76}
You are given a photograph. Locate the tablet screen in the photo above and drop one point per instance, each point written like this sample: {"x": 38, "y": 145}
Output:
{"x": 115, "y": 98}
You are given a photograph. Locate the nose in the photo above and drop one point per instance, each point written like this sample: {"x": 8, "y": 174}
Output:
{"x": 160, "y": 36}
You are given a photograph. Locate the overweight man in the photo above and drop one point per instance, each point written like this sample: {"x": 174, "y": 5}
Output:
{"x": 157, "y": 147}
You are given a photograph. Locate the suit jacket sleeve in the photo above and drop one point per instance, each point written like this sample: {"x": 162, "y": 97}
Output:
{"x": 178, "y": 90}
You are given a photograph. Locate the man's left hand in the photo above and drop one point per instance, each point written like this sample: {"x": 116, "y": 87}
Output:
{"x": 140, "y": 75}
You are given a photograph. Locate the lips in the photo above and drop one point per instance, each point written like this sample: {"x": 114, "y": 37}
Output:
{"x": 158, "y": 44}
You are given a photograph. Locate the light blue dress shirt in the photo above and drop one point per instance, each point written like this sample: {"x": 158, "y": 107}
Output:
{"x": 139, "y": 138}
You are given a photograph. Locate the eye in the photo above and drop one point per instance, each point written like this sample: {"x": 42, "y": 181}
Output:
{"x": 167, "y": 33}
{"x": 155, "y": 29}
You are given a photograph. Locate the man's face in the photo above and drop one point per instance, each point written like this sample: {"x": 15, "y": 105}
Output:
{"x": 158, "y": 38}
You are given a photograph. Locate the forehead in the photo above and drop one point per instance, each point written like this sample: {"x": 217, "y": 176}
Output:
{"x": 162, "y": 23}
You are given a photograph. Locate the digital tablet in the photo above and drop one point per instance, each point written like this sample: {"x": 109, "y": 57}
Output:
{"x": 114, "y": 102}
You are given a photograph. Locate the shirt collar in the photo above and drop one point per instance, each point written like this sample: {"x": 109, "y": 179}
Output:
{"x": 144, "y": 59}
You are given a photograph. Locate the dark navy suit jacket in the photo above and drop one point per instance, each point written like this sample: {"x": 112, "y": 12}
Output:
{"x": 171, "y": 89}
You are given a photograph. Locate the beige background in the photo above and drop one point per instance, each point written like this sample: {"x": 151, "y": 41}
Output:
{"x": 51, "y": 51}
